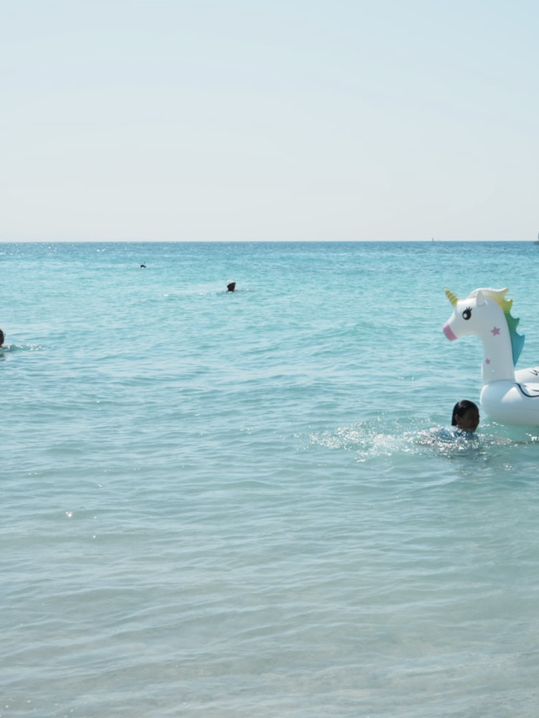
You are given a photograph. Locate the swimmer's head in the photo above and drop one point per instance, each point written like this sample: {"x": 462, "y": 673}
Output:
{"x": 231, "y": 286}
{"x": 2, "y": 337}
{"x": 465, "y": 415}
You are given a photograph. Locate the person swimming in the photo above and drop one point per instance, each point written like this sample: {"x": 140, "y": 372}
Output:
{"x": 465, "y": 416}
{"x": 464, "y": 422}
{"x": 2, "y": 339}
{"x": 231, "y": 287}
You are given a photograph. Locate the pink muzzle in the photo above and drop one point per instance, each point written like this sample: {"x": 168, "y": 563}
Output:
{"x": 449, "y": 333}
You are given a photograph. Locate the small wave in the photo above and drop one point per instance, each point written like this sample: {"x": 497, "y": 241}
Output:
{"x": 22, "y": 348}
{"x": 446, "y": 442}
{"x": 368, "y": 442}
{"x": 192, "y": 292}
{"x": 363, "y": 439}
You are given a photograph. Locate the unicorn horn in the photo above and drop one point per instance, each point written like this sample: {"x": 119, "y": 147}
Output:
{"x": 452, "y": 297}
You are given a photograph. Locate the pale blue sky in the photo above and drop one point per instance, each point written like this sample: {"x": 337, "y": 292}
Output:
{"x": 305, "y": 120}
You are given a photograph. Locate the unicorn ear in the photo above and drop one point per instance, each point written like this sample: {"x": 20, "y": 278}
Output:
{"x": 480, "y": 298}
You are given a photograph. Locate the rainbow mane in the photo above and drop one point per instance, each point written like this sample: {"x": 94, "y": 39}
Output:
{"x": 517, "y": 340}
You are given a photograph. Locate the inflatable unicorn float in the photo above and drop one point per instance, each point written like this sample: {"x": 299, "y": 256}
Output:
{"x": 507, "y": 396}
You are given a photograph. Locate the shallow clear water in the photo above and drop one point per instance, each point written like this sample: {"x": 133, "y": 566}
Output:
{"x": 222, "y": 504}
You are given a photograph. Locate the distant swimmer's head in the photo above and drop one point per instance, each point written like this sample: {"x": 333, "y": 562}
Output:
{"x": 143, "y": 266}
{"x": 465, "y": 416}
{"x": 231, "y": 287}
{"x": 2, "y": 337}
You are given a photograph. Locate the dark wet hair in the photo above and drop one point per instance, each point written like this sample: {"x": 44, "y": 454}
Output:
{"x": 231, "y": 286}
{"x": 2, "y": 337}
{"x": 462, "y": 408}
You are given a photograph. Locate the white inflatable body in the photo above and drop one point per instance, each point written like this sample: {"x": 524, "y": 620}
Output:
{"x": 507, "y": 396}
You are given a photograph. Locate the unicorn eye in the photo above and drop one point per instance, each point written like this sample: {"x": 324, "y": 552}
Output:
{"x": 467, "y": 313}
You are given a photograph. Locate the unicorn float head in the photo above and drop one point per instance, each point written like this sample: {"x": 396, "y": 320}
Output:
{"x": 507, "y": 396}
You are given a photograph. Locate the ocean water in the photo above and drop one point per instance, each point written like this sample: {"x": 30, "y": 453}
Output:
{"x": 222, "y": 505}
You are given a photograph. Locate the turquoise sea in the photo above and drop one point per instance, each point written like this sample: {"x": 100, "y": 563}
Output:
{"x": 221, "y": 505}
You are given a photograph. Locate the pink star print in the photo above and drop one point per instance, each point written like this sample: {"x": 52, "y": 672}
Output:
{"x": 494, "y": 331}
